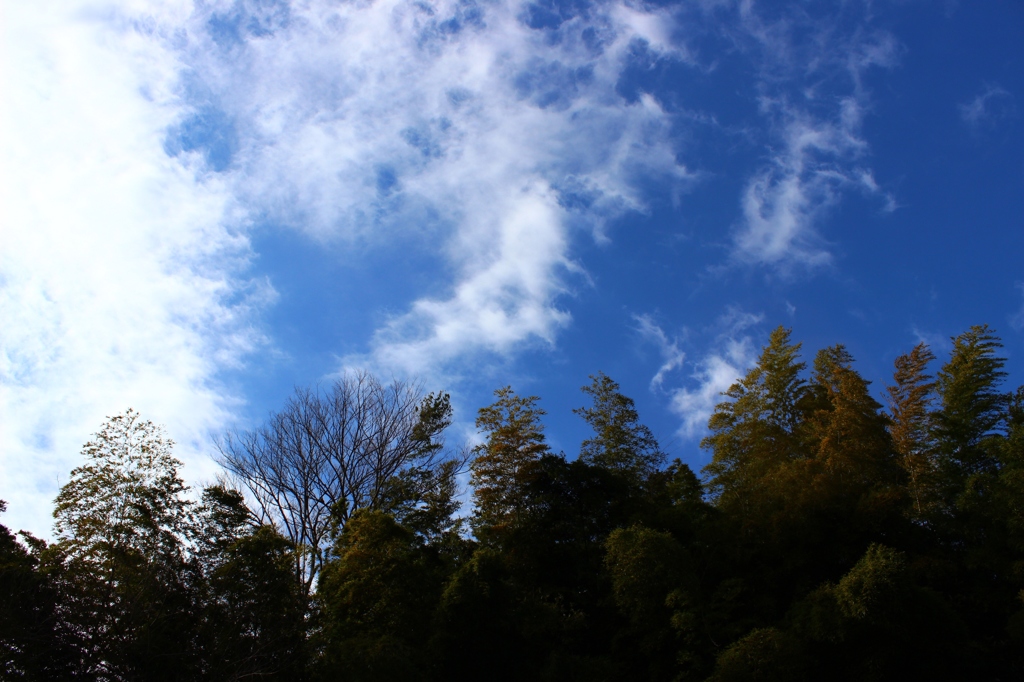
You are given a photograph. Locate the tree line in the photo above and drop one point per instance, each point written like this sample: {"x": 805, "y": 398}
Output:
{"x": 829, "y": 537}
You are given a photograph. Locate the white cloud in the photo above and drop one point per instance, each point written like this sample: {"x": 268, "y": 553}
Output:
{"x": 455, "y": 124}
{"x": 991, "y": 104}
{"x": 651, "y": 25}
{"x": 672, "y": 358}
{"x": 937, "y": 341}
{"x": 783, "y": 203}
{"x": 715, "y": 373}
{"x": 505, "y": 298}
{"x": 142, "y": 139}
{"x": 816, "y": 143}
{"x": 119, "y": 276}
{"x": 731, "y": 355}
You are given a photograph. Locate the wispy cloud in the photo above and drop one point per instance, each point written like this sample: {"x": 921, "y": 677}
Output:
{"x": 937, "y": 341}
{"x": 992, "y": 104}
{"x": 715, "y": 373}
{"x": 782, "y": 203}
{"x": 469, "y": 125}
{"x": 732, "y": 352}
{"x": 121, "y": 274}
{"x": 816, "y": 147}
{"x": 672, "y": 358}
{"x": 144, "y": 140}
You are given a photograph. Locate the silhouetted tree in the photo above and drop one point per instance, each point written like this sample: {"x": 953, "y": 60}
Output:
{"x": 620, "y": 442}
{"x": 333, "y": 451}
{"x": 34, "y": 643}
{"x": 910, "y": 402}
{"x": 253, "y": 613}
{"x": 123, "y": 526}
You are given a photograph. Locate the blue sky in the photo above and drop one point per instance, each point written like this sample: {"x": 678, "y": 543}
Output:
{"x": 209, "y": 203}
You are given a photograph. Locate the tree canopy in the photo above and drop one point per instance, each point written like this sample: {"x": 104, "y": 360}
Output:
{"x": 829, "y": 538}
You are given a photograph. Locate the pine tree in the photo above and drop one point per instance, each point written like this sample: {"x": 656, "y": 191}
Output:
{"x": 34, "y": 645}
{"x": 127, "y": 496}
{"x": 253, "y": 608}
{"x": 377, "y": 597}
{"x": 850, "y": 494}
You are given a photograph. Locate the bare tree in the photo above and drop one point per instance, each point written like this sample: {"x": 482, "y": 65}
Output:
{"x": 333, "y": 450}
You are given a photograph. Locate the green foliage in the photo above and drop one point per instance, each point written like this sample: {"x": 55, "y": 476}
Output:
{"x": 376, "y": 597}
{"x": 33, "y": 645}
{"x": 829, "y": 540}
{"x": 755, "y": 433}
{"x": 877, "y": 621}
{"x": 853, "y": 476}
{"x": 128, "y": 497}
{"x": 506, "y": 462}
{"x": 763, "y": 655}
{"x": 645, "y": 566}
{"x": 253, "y": 609}
{"x": 123, "y": 524}
{"x": 910, "y": 402}
{"x": 480, "y": 622}
{"x": 848, "y": 431}
{"x": 971, "y": 406}
{"x": 435, "y": 415}
{"x": 424, "y": 500}
{"x": 873, "y": 586}
{"x": 620, "y": 442}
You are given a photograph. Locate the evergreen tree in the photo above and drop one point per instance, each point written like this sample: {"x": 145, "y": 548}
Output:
{"x": 123, "y": 523}
{"x": 851, "y": 444}
{"x": 253, "y": 610}
{"x": 971, "y": 406}
{"x": 755, "y": 433}
{"x": 506, "y": 462}
{"x": 650, "y": 571}
{"x": 425, "y": 500}
{"x": 377, "y": 597}
{"x": 910, "y": 403}
{"x": 620, "y": 442}
{"x": 34, "y": 645}
{"x": 1012, "y": 475}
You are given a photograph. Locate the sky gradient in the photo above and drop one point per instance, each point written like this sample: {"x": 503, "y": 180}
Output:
{"x": 206, "y": 204}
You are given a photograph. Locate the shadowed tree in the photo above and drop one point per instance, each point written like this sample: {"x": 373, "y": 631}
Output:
{"x": 253, "y": 611}
{"x": 123, "y": 526}
{"x": 34, "y": 644}
{"x": 849, "y": 429}
{"x": 506, "y": 462}
{"x": 620, "y": 442}
{"x": 910, "y": 401}
{"x": 755, "y": 434}
{"x": 855, "y": 471}
{"x": 649, "y": 570}
{"x": 377, "y": 595}
{"x": 332, "y": 451}
{"x": 1012, "y": 476}
{"x": 971, "y": 407}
